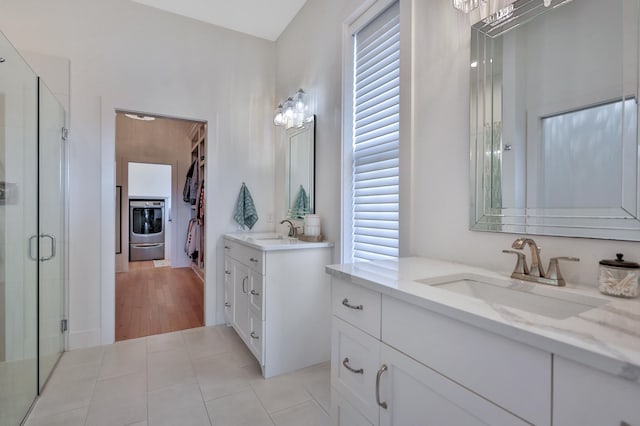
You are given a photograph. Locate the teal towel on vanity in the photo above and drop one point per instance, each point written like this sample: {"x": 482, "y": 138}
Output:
{"x": 245, "y": 213}
{"x": 300, "y": 206}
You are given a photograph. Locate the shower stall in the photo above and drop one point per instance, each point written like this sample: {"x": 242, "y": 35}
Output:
{"x": 32, "y": 234}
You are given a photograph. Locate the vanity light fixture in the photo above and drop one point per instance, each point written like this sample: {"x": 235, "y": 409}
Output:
{"x": 291, "y": 113}
{"x": 140, "y": 117}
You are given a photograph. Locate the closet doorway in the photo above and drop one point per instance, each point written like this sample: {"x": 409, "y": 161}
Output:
{"x": 160, "y": 174}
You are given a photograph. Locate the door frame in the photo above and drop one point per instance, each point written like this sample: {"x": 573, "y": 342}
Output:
{"x": 109, "y": 107}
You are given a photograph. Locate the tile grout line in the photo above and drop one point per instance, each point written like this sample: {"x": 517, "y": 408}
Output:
{"x": 262, "y": 404}
{"x": 195, "y": 375}
{"x": 93, "y": 391}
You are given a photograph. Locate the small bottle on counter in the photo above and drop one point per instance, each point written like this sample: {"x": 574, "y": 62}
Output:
{"x": 618, "y": 277}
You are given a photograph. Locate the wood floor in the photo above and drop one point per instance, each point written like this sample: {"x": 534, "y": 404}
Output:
{"x": 152, "y": 300}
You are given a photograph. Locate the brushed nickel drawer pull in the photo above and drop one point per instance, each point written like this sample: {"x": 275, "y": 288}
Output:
{"x": 345, "y": 362}
{"x": 345, "y": 302}
{"x": 227, "y": 247}
{"x": 253, "y": 259}
{"x": 253, "y": 335}
{"x": 254, "y": 293}
{"x": 227, "y": 272}
{"x": 244, "y": 281}
{"x": 383, "y": 404}
{"x": 227, "y": 304}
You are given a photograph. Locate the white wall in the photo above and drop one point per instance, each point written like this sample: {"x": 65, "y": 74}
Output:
{"x": 149, "y": 180}
{"x": 309, "y": 55}
{"x": 128, "y": 56}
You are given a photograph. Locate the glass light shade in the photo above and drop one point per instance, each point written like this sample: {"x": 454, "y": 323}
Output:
{"x": 299, "y": 101}
{"x": 289, "y": 113}
{"x": 288, "y": 108}
{"x": 465, "y": 6}
{"x": 278, "y": 118}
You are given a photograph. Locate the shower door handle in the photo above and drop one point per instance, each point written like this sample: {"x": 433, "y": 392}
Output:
{"x": 30, "y": 248}
{"x": 53, "y": 247}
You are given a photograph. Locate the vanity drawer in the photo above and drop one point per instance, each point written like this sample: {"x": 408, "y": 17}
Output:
{"x": 253, "y": 258}
{"x": 256, "y": 336}
{"x": 356, "y": 305}
{"x": 499, "y": 369}
{"x": 355, "y": 359}
{"x": 248, "y": 256}
{"x": 231, "y": 248}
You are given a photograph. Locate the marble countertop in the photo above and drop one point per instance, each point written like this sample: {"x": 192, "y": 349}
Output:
{"x": 271, "y": 241}
{"x": 606, "y": 337}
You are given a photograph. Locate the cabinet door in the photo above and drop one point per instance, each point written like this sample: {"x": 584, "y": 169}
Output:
{"x": 229, "y": 296}
{"x": 241, "y": 291}
{"x": 343, "y": 413}
{"x": 256, "y": 293}
{"x": 416, "y": 395}
{"x": 585, "y": 396}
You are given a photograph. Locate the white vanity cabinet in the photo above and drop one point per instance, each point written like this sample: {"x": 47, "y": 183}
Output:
{"x": 279, "y": 299}
{"x": 384, "y": 369}
{"x": 584, "y": 396}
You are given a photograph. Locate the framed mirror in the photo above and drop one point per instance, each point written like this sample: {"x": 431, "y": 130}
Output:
{"x": 300, "y": 173}
{"x": 554, "y": 119}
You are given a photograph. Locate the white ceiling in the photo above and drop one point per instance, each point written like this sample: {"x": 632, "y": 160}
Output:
{"x": 261, "y": 18}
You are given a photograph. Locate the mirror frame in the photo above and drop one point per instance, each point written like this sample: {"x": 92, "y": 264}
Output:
{"x": 291, "y": 133}
{"x": 616, "y": 223}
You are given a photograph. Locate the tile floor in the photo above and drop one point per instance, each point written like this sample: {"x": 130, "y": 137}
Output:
{"x": 202, "y": 376}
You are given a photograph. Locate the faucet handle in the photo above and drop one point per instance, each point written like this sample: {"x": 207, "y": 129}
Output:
{"x": 521, "y": 264}
{"x": 553, "y": 272}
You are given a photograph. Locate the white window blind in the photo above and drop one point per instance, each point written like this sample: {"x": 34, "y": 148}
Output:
{"x": 376, "y": 125}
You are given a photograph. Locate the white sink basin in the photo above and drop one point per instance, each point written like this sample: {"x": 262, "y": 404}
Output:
{"x": 272, "y": 238}
{"x": 550, "y": 302}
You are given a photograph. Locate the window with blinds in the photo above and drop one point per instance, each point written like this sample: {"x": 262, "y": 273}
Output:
{"x": 376, "y": 125}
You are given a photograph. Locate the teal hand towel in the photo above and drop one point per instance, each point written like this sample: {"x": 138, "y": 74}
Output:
{"x": 300, "y": 206}
{"x": 245, "y": 213}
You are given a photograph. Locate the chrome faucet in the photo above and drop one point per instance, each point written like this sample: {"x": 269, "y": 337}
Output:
{"x": 293, "y": 231}
{"x": 535, "y": 272}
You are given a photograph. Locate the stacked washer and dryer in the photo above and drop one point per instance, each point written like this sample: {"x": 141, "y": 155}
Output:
{"x": 146, "y": 230}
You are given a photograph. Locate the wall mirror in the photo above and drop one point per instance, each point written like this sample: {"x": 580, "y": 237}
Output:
{"x": 300, "y": 174}
{"x": 554, "y": 119}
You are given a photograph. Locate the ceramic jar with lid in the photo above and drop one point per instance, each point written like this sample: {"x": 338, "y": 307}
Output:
{"x": 618, "y": 277}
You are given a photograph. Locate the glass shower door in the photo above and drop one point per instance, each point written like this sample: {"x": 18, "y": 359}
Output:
{"x": 18, "y": 235}
{"x": 51, "y": 227}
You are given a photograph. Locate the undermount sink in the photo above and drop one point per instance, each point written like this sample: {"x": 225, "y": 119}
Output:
{"x": 268, "y": 238}
{"x": 272, "y": 238}
{"x": 527, "y": 297}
